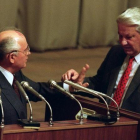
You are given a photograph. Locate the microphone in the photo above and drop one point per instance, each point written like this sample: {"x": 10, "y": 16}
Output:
{"x": 27, "y": 99}
{"x": 26, "y": 86}
{"x": 95, "y": 93}
{"x": 53, "y": 85}
{"x": 2, "y": 117}
{"x": 24, "y": 122}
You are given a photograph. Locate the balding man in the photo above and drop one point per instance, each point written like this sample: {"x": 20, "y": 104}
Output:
{"x": 14, "y": 51}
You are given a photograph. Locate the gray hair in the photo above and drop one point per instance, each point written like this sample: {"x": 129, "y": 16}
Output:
{"x": 8, "y": 45}
{"x": 130, "y": 17}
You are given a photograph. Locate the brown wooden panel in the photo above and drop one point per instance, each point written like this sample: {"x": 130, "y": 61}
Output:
{"x": 100, "y": 133}
{"x": 125, "y": 128}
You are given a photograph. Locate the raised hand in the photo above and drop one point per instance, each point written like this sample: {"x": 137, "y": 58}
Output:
{"x": 76, "y": 77}
{"x": 82, "y": 75}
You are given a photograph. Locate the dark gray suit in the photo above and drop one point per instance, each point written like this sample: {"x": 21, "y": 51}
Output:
{"x": 14, "y": 108}
{"x": 106, "y": 77}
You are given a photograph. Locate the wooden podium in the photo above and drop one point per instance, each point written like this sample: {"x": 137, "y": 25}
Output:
{"x": 126, "y": 128}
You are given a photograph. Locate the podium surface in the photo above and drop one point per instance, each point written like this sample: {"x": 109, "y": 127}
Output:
{"x": 125, "y": 128}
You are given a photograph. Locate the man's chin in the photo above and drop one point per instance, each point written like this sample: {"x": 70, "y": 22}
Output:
{"x": 129, "y": 52}
{"x": 24, "y": 66}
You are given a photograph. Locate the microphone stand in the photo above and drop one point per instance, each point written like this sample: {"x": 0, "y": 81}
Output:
{"x": 2, "y": 117}
{"x": 77, "y": 86}
{"x": 29, "y": 88}
{"x": 27, "y": 99}
{"x": 53, "y": 85}
{"x": 51, "y": 116}
{"x": 25, "y": 123}
{"x": 81, "y": 115}
{"x": 104, "y": 95}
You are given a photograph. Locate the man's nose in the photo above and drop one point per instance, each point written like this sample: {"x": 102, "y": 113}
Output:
{"x": 28, "y": 53}
{"x": 124, "y": 42}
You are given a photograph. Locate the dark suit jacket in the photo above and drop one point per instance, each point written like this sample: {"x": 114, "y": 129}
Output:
{"x": 14, "y": 108}
{"x": 106, "y": 77}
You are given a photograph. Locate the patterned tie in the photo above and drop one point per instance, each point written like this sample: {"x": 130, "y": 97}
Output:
{"x": 15, "y": 87}
{"x": 122, "y": 83}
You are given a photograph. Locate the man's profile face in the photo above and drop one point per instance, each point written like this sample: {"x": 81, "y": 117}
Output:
{"x": 22, "y": 56}
{"x": 129, "y": 38}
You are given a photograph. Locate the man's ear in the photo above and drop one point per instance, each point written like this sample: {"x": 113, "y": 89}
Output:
{"x": 12, "y": 57}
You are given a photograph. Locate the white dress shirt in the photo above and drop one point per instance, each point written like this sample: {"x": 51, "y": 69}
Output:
{"x": 8, "y": 75}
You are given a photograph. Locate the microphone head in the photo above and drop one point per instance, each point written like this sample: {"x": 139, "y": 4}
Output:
{"x": 52, "y": 83}
{"x": 24, "y": 84}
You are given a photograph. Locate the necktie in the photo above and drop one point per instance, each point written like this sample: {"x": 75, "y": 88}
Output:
{"x": 15, "y": 87}
{"x": 122, "y": 83}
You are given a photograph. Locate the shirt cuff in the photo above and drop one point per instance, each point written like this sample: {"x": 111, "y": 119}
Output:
{"x": 66, "y": 86}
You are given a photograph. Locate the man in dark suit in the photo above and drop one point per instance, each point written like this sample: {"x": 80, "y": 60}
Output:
{"x": 110, "y": 72}
{"x": 14, "y": 51}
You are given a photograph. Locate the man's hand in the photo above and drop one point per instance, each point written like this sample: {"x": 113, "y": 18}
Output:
{"x": 82, "y": 75}
{"x": 76, "y": 77}
{"x": 71, "y": 75}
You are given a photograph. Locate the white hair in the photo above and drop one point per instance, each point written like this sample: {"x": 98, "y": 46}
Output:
{"x": 8, "y": 45}
{"x": 130, "y": 17}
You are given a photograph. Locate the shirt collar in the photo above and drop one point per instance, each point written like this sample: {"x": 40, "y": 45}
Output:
{"x": 137, "y": 58}
{"x": 8, "y": 75}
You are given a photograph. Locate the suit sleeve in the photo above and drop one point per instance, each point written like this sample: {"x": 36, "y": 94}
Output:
{"x": 41, "y": 87}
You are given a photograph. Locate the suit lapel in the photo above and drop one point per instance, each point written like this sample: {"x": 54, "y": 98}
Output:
{"x": 114, "y": 74}
{"x": 112, "y": 81}
{"x": 19, "y": 79}
{"x": 11, "y": 96}
{"x": 134, "y": 83}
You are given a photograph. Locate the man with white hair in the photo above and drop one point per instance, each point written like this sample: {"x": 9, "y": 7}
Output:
{"x": 119, "y": 74}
